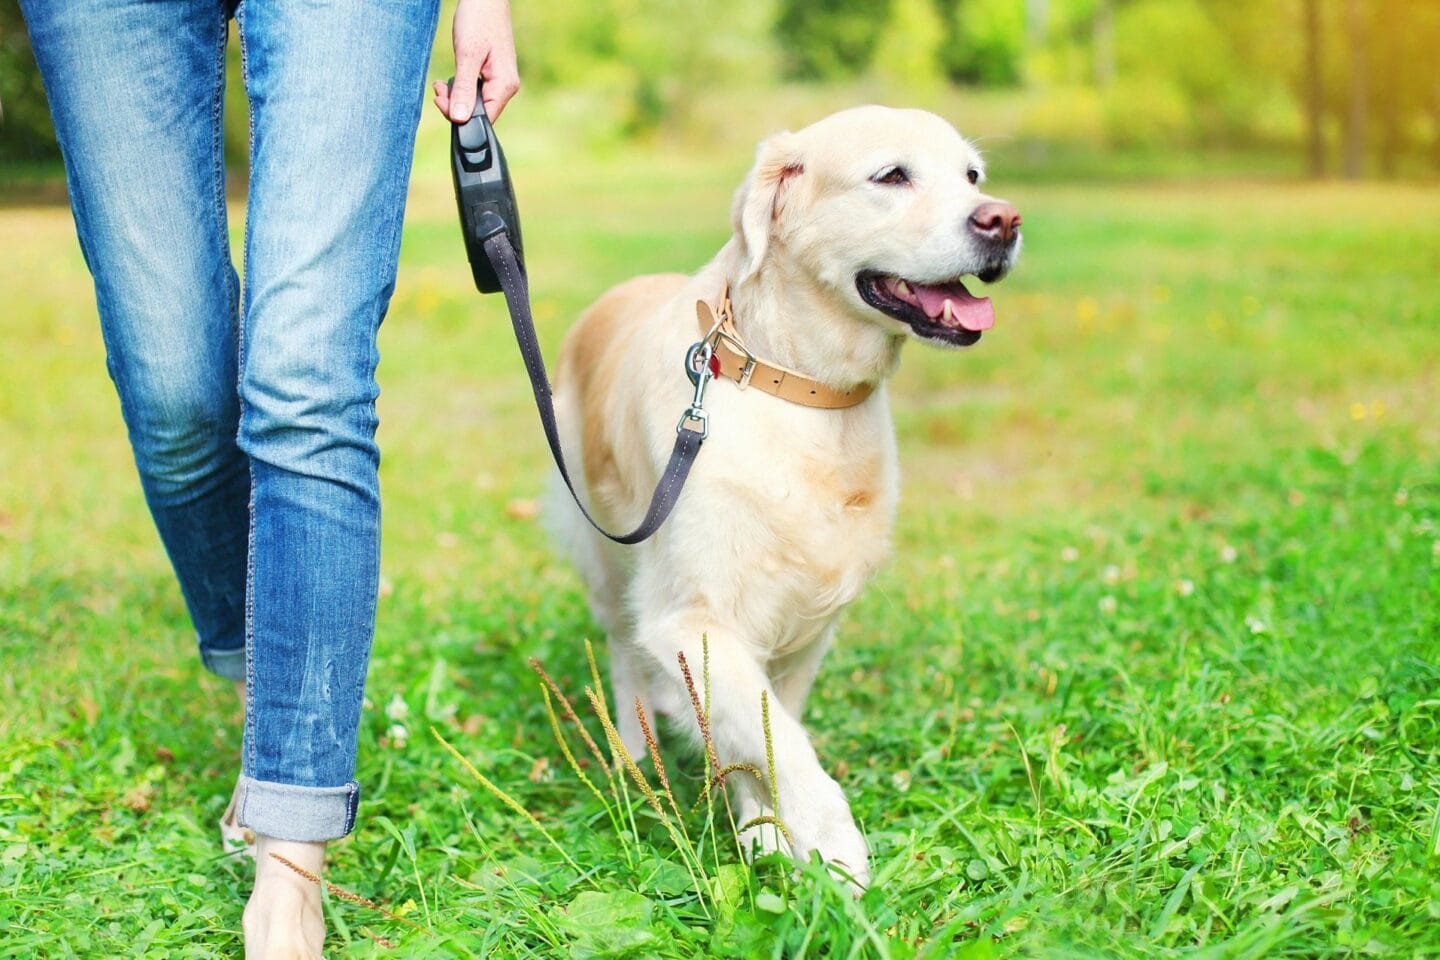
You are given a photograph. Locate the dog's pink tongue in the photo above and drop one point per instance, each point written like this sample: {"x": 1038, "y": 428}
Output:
{"x": 967, "y": 311}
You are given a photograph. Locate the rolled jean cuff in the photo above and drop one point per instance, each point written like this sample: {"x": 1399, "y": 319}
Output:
{"x": 288, "y": 812}
{"x": 229, "y": 664}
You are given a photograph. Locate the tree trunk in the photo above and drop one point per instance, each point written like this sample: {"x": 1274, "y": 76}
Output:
{"x": 1435, "y": 122}
{"x": 1037, "y": 22}
{"x": 1391, "y": 94}
{"x": 1314, "y": 90}
{"x": 1103, "y": 27}
{"x": 1357, "y": 117}
{"x": 1435, "y": 96}
{"x": 1037, "y": 31}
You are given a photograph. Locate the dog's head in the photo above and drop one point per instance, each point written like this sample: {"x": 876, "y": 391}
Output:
{"x": 883, "y": 209}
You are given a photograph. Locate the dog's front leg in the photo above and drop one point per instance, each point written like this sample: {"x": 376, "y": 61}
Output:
{"x": 794, "y": 673}
{"x": 630, "y": 683}
{"x": 757, "y": 835}
{"x": 811, "y": 803}
{"x": 792, "y": 676}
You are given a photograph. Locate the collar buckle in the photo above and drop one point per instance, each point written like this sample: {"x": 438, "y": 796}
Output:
{"x": 746, "y": 370}
{"x": 725, "y": 330}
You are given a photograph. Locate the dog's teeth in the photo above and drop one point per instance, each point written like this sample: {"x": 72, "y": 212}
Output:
{"x": 902, "y": 288}
{"x": 946, "y": 317}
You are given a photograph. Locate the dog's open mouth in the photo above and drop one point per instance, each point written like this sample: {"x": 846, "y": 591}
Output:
{"x": 946, "y": 312}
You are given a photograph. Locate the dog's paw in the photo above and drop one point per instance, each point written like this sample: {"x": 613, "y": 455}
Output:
{"x": 824, "y": 825}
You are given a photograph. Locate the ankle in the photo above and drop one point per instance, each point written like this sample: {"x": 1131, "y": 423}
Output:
{"x": 284, "y": 917}
{"x": 288, "y": 858}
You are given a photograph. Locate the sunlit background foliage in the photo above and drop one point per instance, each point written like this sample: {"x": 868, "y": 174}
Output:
{"x": 1339, "y": 86}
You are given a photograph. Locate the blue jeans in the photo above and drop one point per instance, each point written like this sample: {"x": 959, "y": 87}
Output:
{"x": 252, "y": 418}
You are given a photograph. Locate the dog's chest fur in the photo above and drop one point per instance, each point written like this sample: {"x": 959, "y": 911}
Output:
{"x": 806, "y": 521}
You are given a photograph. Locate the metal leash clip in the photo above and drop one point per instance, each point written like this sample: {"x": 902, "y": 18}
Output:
{"x": 693, "y": 363}
{"x": 711, "y": 338}
{"x": 697, "y": 367}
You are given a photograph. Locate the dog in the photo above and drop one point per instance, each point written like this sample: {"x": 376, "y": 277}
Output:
{"x": 851, "y": 236}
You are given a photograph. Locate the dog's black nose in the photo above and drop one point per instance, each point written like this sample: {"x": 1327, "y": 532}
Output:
{"x": 996, "y": 220}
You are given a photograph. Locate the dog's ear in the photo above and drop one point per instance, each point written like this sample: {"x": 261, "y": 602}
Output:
{"x": 760, "y": 201}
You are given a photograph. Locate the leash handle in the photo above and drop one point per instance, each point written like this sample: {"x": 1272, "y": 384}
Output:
{"x": 689, "y": 433}
{"x": 483, "y": 191}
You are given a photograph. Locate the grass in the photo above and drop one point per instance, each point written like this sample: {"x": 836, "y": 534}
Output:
{"x": 1155, "y": 670}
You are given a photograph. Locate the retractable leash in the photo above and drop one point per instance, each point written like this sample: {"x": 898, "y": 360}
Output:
{"x": 490, "y": 222}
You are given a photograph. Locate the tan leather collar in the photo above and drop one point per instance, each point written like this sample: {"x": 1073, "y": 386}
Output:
{"x": 731, "y": 359}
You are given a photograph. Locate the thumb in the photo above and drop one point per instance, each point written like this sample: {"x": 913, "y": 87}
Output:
{"x": 462, "y": 92}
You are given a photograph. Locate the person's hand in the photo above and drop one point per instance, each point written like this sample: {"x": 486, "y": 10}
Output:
{"x": 484, "y": 47}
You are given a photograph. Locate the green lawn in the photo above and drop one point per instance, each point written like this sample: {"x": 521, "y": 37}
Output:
{"x": 1155, "y": 670}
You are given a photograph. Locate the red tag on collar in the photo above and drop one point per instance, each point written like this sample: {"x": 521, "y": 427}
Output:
{"x": 714, "y": 365}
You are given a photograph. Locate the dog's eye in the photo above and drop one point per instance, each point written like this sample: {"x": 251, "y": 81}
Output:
{"x": 891, "y": 176}
{"x": 972, "y": 175}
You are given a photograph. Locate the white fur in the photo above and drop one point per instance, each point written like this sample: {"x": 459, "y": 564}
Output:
{"x": 789, "y": 509}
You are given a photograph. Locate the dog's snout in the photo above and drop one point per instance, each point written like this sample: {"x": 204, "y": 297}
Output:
{"x": 996, "y": 220}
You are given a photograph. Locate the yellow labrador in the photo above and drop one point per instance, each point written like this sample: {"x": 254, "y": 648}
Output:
{"x": 851, "y": 236}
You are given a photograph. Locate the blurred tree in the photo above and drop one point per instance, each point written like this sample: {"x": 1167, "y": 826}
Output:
{"x": 1314, "y": 90}
{"x": 829, "y": 39}
{"x": 676, "y": 49}
{"x": 1418, "y": 32}
{"x": 1391, "y": 95}
{"x": 25, "y": 132}
{"x": 1037, "y": 22}
{"x": 1357, "y": 114}
{"x": 1404, "y": 82}
{"x": 1181, "y": 74}
{"x": 562, "y": 44}
{"x": 1154, "y": 73}
{"x": 984, "y": 41}
{"x": 1103, "y": 31}
{"x": 1431, "y": 39}
{"x": 909, "y": 49}
{"x": 652, "y": 56}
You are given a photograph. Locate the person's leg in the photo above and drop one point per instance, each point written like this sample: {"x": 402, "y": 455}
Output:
{"x": 335, "y": 92}
{"x": 135, "y": 91}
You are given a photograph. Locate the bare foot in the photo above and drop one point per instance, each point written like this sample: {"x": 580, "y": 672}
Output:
{"x": 284, "y": 920}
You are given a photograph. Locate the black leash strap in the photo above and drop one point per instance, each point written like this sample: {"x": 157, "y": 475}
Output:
{"x": 689, "y": 432}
